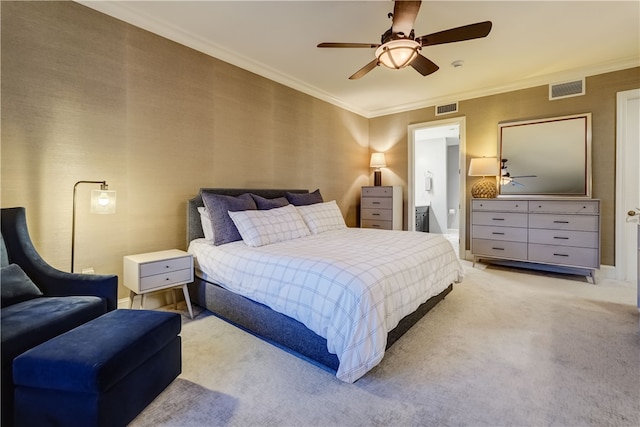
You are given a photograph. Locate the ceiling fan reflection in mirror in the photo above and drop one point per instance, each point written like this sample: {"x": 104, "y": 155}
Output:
{"x": 400, "y": 48}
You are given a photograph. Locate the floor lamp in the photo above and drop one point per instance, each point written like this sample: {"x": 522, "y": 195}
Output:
{"x": 103, "y": 201}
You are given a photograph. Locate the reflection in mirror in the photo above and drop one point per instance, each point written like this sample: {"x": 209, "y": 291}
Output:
{"x": 546, "y": 157}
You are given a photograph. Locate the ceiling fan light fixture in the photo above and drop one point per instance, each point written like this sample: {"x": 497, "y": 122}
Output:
{"x": 397, "y": 54}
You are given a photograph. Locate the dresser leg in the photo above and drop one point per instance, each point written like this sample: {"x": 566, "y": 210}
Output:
{"x": 592, "y": 277}
{"x": 131, "y": 297}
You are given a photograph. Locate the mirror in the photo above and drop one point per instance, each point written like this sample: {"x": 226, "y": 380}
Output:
{"x": 546, "y": 157}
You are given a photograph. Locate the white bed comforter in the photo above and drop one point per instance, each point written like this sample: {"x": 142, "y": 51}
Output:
{"x": 349, "y": 286}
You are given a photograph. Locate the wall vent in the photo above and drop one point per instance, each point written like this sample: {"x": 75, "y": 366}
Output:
{"x": 446, "y": 109}
{"x": 567, "y": 89}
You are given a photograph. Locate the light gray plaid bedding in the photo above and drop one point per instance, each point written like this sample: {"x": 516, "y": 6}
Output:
{"x": 349, "y": 286}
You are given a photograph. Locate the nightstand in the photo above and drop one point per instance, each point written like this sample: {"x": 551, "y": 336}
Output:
{"x": 381, "y": 207}
{"x": 155, "y": 271}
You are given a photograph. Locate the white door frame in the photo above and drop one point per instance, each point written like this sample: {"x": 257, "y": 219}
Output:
{"x": 624, "y": 184}
{"x": 411, "y": 202}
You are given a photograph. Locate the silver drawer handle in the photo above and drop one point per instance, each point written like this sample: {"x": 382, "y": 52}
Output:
{"x": 561, "y": 222}
{"x": 500, "y": 234}
{"x": 561, "y": 238}
{"x": 565, "y": 255}
{"x": 375, "y": 214}
{"x": 497, "y": 219}
{"x": 375, "y": 203}
{"x": 498, "y": 249}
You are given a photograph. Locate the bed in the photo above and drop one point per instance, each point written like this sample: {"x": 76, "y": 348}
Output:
{"x": 344, "y": 264}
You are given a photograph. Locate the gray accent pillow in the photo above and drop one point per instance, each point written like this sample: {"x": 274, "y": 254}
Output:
{"x": 16, "y": 286}
{"x": 4, "y": 257}
{"x": 304, "y": 199}
{"x": 266, "y": 204}
{"x": 218, "y": 205}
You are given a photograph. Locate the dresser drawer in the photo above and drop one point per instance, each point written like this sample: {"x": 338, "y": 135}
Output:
{"x": 377, "y": 214}
{"x": 500, "y": 205}
{"x": 584, "y": 239}
{"x": 157, "y": 267}
{"x": 512, "y": 234}
{"x": 564, "y": 222}
{"x": 499, "y": 249}
{"x": 564, "y": 255}
{"x": 382, "y": 225}
{"x": 377, "y": 191}
{"x": 564, "y": 206}
{"x": 165, "y": 279}
{"x": 505, "y": 219}
{"x": 377, "y": 203}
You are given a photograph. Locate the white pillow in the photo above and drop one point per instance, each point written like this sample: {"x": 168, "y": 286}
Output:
{"x": 205, "y": 220}
{"x": 321, "y": 217}
{"x": 259, "y": 228}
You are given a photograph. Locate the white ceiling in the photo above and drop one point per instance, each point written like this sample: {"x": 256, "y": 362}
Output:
{"x": 532, "y": 43}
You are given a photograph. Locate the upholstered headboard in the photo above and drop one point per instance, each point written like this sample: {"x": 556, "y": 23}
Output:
{"x": 194, "y": 226}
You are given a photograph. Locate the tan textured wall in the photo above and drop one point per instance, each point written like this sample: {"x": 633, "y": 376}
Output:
{"x": 88, "y": 97}
{"x": 482, "y": 118}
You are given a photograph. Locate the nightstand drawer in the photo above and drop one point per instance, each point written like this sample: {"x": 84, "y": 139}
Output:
{"x": 377, "y": 203}
{"x": 377, "y": 191}
{"x": 377, "y": 214}
{"x": 381, "y": 225}
{"x": 167, "y": 265}
{"x": 165, "y": 279}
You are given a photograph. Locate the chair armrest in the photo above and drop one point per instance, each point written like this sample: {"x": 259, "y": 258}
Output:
{"x": 51, "y": 281}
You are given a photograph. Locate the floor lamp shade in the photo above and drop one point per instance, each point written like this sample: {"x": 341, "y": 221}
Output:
{"x": 484, "y": 167}
{"x": 377, "y": 161}
{"x": 103, "y": 201}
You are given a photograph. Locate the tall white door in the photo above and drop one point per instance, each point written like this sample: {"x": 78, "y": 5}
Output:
{"x": 628, "y": 187}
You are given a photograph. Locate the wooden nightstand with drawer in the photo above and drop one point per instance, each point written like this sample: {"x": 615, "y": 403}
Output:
{"x": 156, "y": 271}
{"x": 381, "y": 207}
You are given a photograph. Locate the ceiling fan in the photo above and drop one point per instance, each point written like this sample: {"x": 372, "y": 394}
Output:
{"x": 399, "y": 47}
{"x": 506, "y": 178}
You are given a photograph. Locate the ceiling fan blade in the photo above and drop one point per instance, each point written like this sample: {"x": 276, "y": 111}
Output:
{"x": 466, "y": 32}
{"x": 423, "y": 65}
{"x": 404, "y": 16}
{"x": 364, "y": 70}
{"x": 369, "y": 45}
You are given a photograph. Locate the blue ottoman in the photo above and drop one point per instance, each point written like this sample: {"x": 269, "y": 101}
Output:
{"x": 102, "y": 373}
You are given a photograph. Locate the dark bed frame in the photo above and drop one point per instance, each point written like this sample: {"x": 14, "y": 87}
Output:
{"x": 260, "y": 320}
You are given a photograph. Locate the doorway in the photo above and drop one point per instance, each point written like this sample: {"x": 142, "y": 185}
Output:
{"x": 436, "y": 165}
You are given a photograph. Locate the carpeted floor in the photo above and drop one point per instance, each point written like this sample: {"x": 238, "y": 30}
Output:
{"x": 505, "y": 348}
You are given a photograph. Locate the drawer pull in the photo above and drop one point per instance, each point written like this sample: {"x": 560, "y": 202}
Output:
{"x": 375, "y": 214}
{"x": 498, "y": 249}
{"x": 375, "y": 203}
{"x": 499, "y": 234}
{"x": 497, "y": 219}
{"x": 375, "y": 226}
{"x": 561, "y": 238}
{"x": 166, "y": 279}
{"x": 561, "y": 222}
{"x": 565, "y": 255}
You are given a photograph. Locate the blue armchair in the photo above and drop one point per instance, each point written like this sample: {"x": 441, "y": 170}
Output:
{"x": 40, "y": 302}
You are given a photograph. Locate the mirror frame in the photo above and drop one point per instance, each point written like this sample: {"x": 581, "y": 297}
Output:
{"x": 581, "y": 135}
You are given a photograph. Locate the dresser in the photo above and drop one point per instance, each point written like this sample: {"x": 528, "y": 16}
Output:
{"x": 562, "y": 235}
{"x": 381, "y": 207}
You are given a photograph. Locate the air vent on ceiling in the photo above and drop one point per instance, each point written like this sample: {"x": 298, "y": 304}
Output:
{"x": 567, "y": 89}
{"x": 446, "y": 109}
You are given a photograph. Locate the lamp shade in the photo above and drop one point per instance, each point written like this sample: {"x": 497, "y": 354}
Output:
{"x": 103, "y": 201}
{"x": 378, "y": 161}
{"x": 484, "y": 166}
{"x": 398, "y": 54}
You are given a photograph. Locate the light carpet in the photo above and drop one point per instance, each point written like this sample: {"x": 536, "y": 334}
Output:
{"x": 505, "y": 348}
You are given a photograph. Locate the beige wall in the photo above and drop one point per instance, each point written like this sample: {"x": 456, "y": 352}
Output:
{"x": 88, "y": 97}
{"x": 482, "y": 116}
